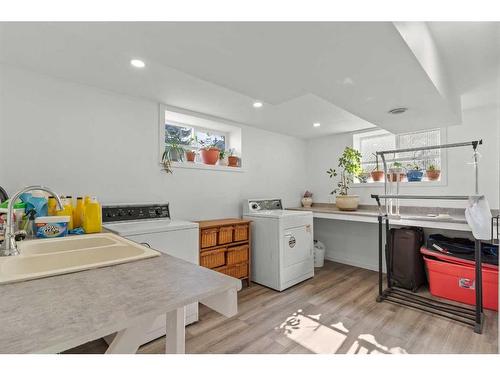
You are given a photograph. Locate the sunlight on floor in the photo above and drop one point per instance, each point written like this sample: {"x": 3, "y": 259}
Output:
{"x": 309, "y": 332}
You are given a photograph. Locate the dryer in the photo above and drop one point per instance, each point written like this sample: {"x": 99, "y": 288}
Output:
{"x": 282, "y": 243}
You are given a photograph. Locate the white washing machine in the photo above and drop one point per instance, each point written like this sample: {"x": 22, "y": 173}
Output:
{"x": 282, "y": 243}
{"x": 150, "y": 224}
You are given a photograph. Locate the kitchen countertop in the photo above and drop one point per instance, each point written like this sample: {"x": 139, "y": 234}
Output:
{"x": 409, "y": 215}
{"x": 57, "y": 313}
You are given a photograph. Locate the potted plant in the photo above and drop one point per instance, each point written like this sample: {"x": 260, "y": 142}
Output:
{"x": 414, "y": 173}
{"x": 363, "y": 176}
{"x": 307, "y": 200}
{"x": 377, "y": 174}
{"x": 433, "y": 173}
{"x": 350, "y": 164}
{"x": 396, "y": 172}
{"x": 223, "y": 157}
{"x": 174, "y": 151}
{"x": 233, "y": 160}
{"x": 209, "y": 150}
{"x": 190, "y": 155}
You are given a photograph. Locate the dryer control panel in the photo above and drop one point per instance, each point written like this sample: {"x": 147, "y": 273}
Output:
{"x": 135, "y": 212}
{"x": 263, "y": 205}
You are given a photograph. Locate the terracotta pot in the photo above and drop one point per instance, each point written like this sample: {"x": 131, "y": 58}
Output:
{"x": 210, "y": 156}
{"x": 433, "y": 175}
{"x": 377, "y": 175}
{"x": 307, "y": 202}
{"x": 233, "y": 161}
{"x": 394, "y": 177}
{"x": 347, "y": 202}
{"x": 190, "y": 156}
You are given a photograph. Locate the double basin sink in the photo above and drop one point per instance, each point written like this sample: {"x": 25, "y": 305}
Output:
{"x": 50, "y": 257}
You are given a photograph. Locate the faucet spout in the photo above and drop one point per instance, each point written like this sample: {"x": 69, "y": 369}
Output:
{"x": 9, "y": 246}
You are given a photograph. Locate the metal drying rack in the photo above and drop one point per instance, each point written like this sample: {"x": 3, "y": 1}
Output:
{"x": 470, "y": 316}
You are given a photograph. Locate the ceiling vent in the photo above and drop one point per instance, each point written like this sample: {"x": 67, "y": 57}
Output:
{"x": 398, "y": 111}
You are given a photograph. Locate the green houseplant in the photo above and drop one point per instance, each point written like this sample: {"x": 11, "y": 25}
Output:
{"x": 174, "y": 151}
{"x": 232, "y": 159}
{"x": 433, "y": 173}
{"x": 414, "y": 173}
{"x": 350, "y": 167}
{"x": 397, "y": 171}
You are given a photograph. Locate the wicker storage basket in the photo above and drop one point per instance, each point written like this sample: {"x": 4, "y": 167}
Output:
{"x": 237, "y": 254}
{"x": 240, "y": 233}
{"x": 208, "y": 237}
{"x": 225, "y": 235}
{"x": 238, "y": 271}
{"x": 213, "y": 258}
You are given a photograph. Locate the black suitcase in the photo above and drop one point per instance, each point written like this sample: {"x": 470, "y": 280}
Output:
{"x": 404, "y": 260}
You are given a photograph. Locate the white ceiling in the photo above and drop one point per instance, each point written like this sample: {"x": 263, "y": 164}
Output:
{"x": 345, "y": 75}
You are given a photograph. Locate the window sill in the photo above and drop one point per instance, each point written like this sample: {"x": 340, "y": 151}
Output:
{"x": 206, "y": 167}
{"x": 402, "y": 184}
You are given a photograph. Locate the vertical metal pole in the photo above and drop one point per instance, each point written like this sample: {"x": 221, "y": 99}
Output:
{"x": 388, "y": 245}
{"x": 479, "y": 287}
{"x": 382, "y": 156}
{"x": 476, "y": 170}
{"x": 379, "y": 298}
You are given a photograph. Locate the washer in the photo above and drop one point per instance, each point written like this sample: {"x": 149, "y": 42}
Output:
{"x": 282, "y": 243}
{"x": 151, "y": 225}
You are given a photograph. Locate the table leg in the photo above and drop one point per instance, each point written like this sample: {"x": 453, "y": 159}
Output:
{"x": 175, "y": 342}
{"x": 127, "y": 341}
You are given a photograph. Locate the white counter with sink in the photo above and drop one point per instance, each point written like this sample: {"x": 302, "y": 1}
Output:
{"x": 121, "y": 287}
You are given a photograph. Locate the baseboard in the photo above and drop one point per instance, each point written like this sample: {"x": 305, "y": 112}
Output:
{"x": 349, "y": 262}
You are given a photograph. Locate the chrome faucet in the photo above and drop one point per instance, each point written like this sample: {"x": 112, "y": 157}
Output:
{"x": 9, "y": 246}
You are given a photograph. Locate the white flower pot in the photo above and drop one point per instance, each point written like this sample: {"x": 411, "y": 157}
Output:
{"x": 307, "y": 202}
{"x": 347, "y": 202}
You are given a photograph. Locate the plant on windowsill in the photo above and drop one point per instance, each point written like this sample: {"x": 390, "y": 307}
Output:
{"x": 377, "y": 174}
{"x": 223, "y": 157}
{"x": 174, "y": 151}
{"x": 397, "y": 172}
{"x": 209, "y": 150}
{"x": 363, "y": 176}
{"x": 433, "y": 173}
{"x": 233, "y": 160}
{"x": 414, "y": 173}
{"x": 350, "y": 164}
{"x": 190, "y": 155}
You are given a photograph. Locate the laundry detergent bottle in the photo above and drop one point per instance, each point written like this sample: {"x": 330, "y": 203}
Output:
{"x": 92, "y": 218}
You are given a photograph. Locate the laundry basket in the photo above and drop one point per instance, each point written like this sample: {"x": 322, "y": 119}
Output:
{"x": 319, "y": 253}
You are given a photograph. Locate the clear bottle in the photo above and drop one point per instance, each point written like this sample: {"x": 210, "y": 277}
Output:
{"x": 92, "y": 219}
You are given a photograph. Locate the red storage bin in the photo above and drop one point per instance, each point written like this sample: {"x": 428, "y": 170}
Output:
{"x": 454, "y": 279}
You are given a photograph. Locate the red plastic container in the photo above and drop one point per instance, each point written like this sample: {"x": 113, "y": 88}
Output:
{"x": 454, "y": 278}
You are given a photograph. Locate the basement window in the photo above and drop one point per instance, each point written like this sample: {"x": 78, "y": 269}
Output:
{"x": 368, "y": 143}
{"x": 190, "y": 131}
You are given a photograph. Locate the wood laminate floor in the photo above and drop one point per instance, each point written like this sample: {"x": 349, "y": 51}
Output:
{"x": 335, "y": 312}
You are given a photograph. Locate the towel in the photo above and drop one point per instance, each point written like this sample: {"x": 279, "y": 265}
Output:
{"x": 478, "y": 216}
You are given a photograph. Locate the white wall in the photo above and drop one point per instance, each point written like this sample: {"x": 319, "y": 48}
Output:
{"x": 323, "y": 153}
{"x": 83, "y": 140}
{"x": 356, "y": 243}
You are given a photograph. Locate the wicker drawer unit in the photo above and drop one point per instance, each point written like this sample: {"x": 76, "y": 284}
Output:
{"x": 225, "y": 235}
{"x": 208, "y": 238}
{"x": 225, "y": 247}
{"x": 237, "y": 254}
{"x": 213, "y": 258}
{"x": 241, "y": 233}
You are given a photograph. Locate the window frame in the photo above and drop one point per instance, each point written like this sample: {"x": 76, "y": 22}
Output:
{"x": 443, "y": 181}
{"x": 200, "y": 129}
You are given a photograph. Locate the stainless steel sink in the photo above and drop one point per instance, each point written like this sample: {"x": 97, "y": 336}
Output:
{"x": 50, "y": 257}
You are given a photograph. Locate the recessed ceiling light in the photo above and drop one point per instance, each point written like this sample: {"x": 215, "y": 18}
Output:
{"x": 137, "y": 63}
{"x": 316, "y": 124}
{"x": 257, "y": 104}
{"x": 398, "y": 111}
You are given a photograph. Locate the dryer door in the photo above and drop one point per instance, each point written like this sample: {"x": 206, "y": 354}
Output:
{"x": 297, "y": 245}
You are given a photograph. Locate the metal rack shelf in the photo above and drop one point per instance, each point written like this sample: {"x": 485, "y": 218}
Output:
{"x": 473, "y": 317}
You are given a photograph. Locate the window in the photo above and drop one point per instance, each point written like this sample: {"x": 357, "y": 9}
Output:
{"x": 193, "y": 137}
{"x": 181, "y": 131}
{"x": 370, "y": 142}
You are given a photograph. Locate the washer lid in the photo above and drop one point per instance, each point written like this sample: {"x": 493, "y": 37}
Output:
{"x": 131, "y": 228}
{"x": 278, "y": 213}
